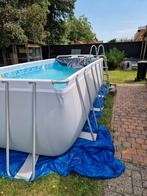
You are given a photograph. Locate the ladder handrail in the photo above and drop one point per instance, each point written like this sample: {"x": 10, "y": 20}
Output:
{"x": 103, "y": 55}
{"x": 103, "y": 49}
{"x": 96, "y": 51}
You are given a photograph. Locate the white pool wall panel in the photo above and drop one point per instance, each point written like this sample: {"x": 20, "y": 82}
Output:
{"x": 60, "y": 114}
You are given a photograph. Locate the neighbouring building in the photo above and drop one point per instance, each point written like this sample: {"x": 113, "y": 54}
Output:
{"x": 20, "y": 53}
{"x": 140, "y": 33}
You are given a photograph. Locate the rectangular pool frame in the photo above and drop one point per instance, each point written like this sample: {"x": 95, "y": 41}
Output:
{"x": 96, "y": 69}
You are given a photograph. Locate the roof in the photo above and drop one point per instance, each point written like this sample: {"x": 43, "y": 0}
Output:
{"x": 140, "y": 33}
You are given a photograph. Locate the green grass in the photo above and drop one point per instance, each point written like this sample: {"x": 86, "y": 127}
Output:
{"x": 53, "y": 185}
{"x": 107, "y": 112}
{"x": 120, "y": 76}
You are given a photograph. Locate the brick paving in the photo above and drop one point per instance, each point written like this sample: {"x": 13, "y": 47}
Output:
{"x": 129, "y": 124}
{"x": 133, "y": 182}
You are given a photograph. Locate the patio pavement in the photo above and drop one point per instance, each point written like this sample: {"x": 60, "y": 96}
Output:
{"x": 129, "y": 124}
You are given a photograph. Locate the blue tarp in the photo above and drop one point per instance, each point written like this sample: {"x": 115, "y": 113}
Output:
{"x": 87, "y": 158}
{"x": 94, "y": 159}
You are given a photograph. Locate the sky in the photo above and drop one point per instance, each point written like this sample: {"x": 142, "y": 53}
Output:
{"x": 113, "y": 18}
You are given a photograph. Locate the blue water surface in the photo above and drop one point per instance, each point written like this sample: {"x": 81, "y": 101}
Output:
{"x": 53, "y": 71}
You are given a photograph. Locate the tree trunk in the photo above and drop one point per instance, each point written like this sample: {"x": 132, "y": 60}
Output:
{"x": 14, "y": 56}
{"x": 4, "y": 56}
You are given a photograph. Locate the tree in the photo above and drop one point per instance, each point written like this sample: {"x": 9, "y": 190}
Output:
{"x": 113, "y": 40}
{"x": 121, "y": 40}
{"x": 33, "y": 21}
{"x": 59, "y": 11}
{"x": 10, "y": 30}
{"x": 78, "y": 29}
{"x": 22, "y": 21}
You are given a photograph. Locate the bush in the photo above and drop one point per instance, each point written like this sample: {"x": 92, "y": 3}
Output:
{"x": 115, "y": 57}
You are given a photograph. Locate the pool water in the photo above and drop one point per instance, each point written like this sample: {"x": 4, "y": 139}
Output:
{"x": 52, "y": 71}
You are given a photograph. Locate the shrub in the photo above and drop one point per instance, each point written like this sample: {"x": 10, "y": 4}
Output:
{"x": 115, "y": 57}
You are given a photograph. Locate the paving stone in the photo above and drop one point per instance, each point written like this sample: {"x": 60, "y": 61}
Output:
{"x": 136, "y": 176}
{"x": 144, "y": 192}
{"x": 127, "y": 173}
{"x": 138, "y": 191}
{"x": 145, "y": 184}
{"x": 131, "y": 166}
{"x": 127, "y": 185}
{"x": 129, "y": 121}
{"x": 112, "y": 184}
{"x": 110, "y": 193}
{"x": 144, "y": 174}
{"x": 122, "y": 184}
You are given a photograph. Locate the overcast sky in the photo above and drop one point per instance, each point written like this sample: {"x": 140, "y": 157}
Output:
{"x": 113, "y": 18}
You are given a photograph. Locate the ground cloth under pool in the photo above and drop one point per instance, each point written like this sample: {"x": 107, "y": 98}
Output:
{"x": 88, "y": 158}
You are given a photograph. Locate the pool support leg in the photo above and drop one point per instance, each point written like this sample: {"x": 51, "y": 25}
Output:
{"x": 85, "y": 111}
{"x": 33, "y": 128}
{"x": 90, "y": 99}
{"x": 96, "y": 89}
{"x": 7, "y": 125}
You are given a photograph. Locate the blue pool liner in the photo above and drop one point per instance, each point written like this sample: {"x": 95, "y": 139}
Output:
{"x": 93, "y": 159}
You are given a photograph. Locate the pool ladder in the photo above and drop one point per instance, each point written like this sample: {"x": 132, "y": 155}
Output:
{"x": 105, "y": 67}
{"x": 103, "y": 55}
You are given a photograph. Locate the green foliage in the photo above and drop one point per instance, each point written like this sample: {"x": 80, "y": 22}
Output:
{"x": 21, "y": 21}
{"x": 14, "y": 32}
{"x": 59, "y": 11}
{"x": 32, "y": 21}
{"x": 121, "y": 40}
{"x": 41, "y": 21}
{"x": 9, "y": 24}
{"x": 126, "y": 40}
{"x": 113, "y": 40}
{"x": 115, "y": 57}
{"x": 78, "y": 29}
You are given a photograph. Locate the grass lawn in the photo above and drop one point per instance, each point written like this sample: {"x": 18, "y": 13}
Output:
{"x": 107, "y": 112}
{"x": 52, "y": 185}
{"x": 121, "y": 76}
{"x": 55, "y": 185}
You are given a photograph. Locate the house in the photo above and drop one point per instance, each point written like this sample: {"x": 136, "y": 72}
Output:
{"x": 139, "y": 36}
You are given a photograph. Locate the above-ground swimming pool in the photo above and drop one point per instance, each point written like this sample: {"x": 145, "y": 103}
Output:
{"x": 41, "y": 104}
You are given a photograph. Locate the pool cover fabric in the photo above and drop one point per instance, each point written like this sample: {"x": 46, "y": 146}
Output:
{"x": 94, "y": 159}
